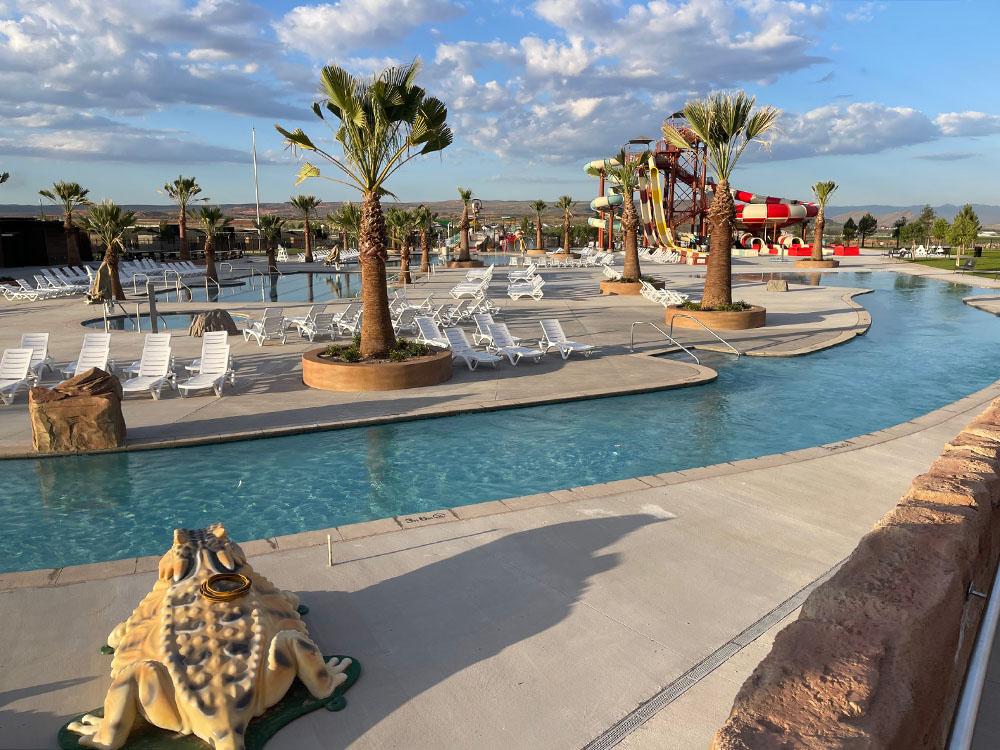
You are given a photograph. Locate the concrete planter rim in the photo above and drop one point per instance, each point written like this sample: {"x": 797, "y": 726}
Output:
{"x": 321, "y": 373}
{"x": 736, "y": 320}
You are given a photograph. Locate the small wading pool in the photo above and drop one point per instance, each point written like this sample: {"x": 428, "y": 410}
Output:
{"x": 925, "y": 349}
{"x": 173, "y": 321}
{"x": 289, "y": 287}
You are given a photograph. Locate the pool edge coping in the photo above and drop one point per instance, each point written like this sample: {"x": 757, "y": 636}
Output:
{"x": 75, "y": 574}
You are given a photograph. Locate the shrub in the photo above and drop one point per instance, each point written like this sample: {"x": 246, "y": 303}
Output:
{"x": 738, "y": 306}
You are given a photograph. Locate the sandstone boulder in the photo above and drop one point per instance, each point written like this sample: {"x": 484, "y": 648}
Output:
{"x": 777, "y": 285}
{"x": 81, "y": 414}
{"x": 213, "y": 320}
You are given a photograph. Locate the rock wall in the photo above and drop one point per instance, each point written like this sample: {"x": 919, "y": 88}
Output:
{"x": 83, "y": 413}
{"x": 877, "y": 656}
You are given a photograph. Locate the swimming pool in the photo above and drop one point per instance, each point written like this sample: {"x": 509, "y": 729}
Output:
{"x": 172, "y": 321}
{"x": 288, "y": 287}
{"x": 925, "y": 349}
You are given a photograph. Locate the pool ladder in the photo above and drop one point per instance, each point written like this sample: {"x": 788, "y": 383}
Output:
{"x": 669, "y": 336}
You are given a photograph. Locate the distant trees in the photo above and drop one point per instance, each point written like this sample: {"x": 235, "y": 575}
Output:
{"x": 71, "y": 196}
{"x": 465, "y": 195}
{"x": 269, "y": 227}
{"x": 183, "y": 191}
{"x": 212, "y": 221}
{"x": 306, "y": 205}
{"x": 940, "y": 229}
{"x": 867, "y": 225}
{"x": 538, "y": 206}
{"x": 964, "y": 230}
{"x": 111, "y": 224}
{"x": 897, "y": 229}
{"x": 918, "y": 230}
{"x": 850, "y": 230}
{"x": 4, "y": 176}
{"x": 565, "y": 203}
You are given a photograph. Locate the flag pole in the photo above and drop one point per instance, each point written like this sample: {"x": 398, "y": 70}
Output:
{"x": 256, "y": 186}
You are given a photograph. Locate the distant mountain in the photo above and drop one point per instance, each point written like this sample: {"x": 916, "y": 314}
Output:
{"x": 988, "y": 214}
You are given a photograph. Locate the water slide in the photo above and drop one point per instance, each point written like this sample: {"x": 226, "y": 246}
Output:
{"x": 655, "y": 231}
{"x": 754, "y": 210}
{"x": 612, "y": 203}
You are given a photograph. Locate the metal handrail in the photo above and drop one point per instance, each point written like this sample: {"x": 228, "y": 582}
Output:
{"x": 217, "y": 286}
{"x": 135, "y": 276}
{"x": 691, "y": 317}
{"x": 964, "y": 724}
{"x": 231, "y": 269}
{"x": 671, "y": 339}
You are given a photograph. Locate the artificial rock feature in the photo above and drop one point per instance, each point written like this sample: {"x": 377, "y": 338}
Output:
{"x": 777, "y": 285}
{"x": 878, "y": 653}
{"x": 196, "y": 665}
{"x": 81, "y": 414}
{"x": 213, "y": 320}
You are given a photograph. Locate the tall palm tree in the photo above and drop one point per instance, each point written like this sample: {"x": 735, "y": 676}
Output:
{"x": 269, "y": 228}
{"x": 110, "y": 224}
{"x": 727, "y": 123}
{"x": 822, "y": 191}
{"x": 183, "y": 191}
{"x": 624, "y": 177}
{"x": 3, "y": 177}
{"x": 538, "y": 207}
{"x": 384, "y": 123}
{"x": 402, "y": 224}
{"x": 306, "y": 205}
{"x": 565, "y": 203}
{"x": 425, "y": 224}
{"x": 71, "y": 196}
{"x": 212, "y": 221}
{"x": 463, "y": 227}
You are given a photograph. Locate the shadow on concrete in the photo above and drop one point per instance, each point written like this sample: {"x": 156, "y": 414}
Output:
{"x": 19, "y": 728}
{"x": 418, "y": 629}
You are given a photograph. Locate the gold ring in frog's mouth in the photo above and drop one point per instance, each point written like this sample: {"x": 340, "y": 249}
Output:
{"x": 224, "y": 587}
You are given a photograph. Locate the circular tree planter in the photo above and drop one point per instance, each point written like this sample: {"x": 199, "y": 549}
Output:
{"x": 536, "y": 251}
{"x": 717, "y": 319}
{"x": 332, "y": 375}
{"x": 465, "y": 264}
{"x": 810, "y": 263}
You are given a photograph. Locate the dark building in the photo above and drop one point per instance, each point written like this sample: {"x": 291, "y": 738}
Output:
{"x": 35, "y": 242}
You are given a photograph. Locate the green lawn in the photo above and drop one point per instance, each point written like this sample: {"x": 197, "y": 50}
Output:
{"x": 986, "y": 266}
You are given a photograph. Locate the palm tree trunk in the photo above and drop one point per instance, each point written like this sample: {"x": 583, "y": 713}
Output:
{"x": 404, "y": 263}
{"x": 210, "y": 271}
{"x": 182, "y": 234}
{"x": 566, "y": 234}
{"x": 630, "y": 223}
{"x": 309, "y": 244}
{"x": 463, "y": 240}
{"x": 817, "y": 248}
{"x": 425, "y": 252}
{"x": 718, "y": 276}
{"x": 111, "y": 258}
{"x": 538, "y": 230}
{"x": 72, "y": 248}
{"x": 377, "y": 336}
{"x": 272, "y": 263}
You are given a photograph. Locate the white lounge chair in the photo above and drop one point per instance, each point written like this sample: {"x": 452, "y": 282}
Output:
{"x": 211, "y": 342}
{"x": 14, "y": 373}
{"x": 152, "y": 341}
{"x": 40, "y": 359}
{"x": 94, "y": 352}
{"x": 322, "y": 324}
{"x": 524, "y": 275}
{"x": 482, "y": 334}
{"x": 215, "y": 369}
{"x": 553, "y": 337}
{"x": 532, "y": 289}
{"x": 271, "y": 326}
{"x": 296, "y": 320}
{"x": 462, "y": 349}
{"x": 154, "y": 371}
{"x": 505, "y": 344}
{"x": 429, "y": 333}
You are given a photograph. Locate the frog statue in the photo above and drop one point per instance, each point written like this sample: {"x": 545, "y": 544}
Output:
{"x": 213, "y": 645}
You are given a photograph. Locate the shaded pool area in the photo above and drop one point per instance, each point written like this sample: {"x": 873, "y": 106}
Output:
{"x": 925, "y": 349}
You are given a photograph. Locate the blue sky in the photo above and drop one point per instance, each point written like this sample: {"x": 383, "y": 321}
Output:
{"x": 894, "y": 100}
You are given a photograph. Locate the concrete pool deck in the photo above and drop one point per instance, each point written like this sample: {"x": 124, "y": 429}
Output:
{"x": 270, "y": 399}
{"x": 630, "y": 611}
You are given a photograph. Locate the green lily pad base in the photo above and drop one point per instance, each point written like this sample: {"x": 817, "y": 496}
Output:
{"x": 298, "y": 701}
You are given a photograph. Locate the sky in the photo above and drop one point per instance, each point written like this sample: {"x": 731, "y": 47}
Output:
{"x": 896, "y": 100}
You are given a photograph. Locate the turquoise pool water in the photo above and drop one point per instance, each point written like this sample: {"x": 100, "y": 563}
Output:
{"x": 925, "y": 349}
{"x": 289, "y": 287}
{"x": 173, "y": 321}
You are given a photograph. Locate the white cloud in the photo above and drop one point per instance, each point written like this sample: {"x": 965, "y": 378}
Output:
{"x": 968, "y": 123}
{"x": 320, "y": 31}
{"x": 864, "y": 12}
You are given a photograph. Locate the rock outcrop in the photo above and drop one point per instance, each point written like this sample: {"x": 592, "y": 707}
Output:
{"x": 213, "y": 320}
{"x": 878, "y": 653}
{"x": 81, "y": 414}
{"x": 777, "y": 285}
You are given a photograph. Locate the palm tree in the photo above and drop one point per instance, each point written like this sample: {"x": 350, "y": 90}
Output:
{"x": 71, "y": 196}
{"x": 538, "y": 207}
{"x": 726, "y": 123}
{"x": 822, "y": 191}
{"x": 425, "y": 223}
{"x": 384, "y": 123}
{"x": 306, "y": 205}
{"x": 565, "y": 202}
{"x": 269, "y": 228}
{"x": 463, "y": 227}
{"x": 110, "y": 223}
{"x": 347, "y": 221}
{"x": 624, "y": 177}
{"x": 182, "y": 191}
{"x": 3, "y": 177}
{"x": 402, "y": 224}
{"x": 212, "y": 221}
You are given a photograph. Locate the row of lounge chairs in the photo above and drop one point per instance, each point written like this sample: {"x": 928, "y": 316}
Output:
{"x": 132, "y": 271}
{"x": 497, "y": 341}
{"x": 23, "y": 367}
{"x": 658, "y": 255}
